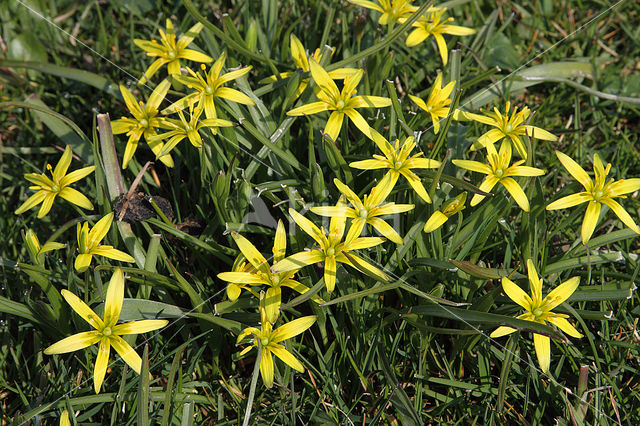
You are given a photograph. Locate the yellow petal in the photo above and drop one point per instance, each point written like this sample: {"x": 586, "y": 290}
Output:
{"x": 351, "y": 82}
{"x": 516, "y": 294}
{"x": 298, "y": 260}
{"x": 590, "y": 220}
{"x": 416, "y": 37}
{"x": 334, "y": 124}
{"x": 370, "y": 102}
{"x": 266, "y": 367}
{"x": 76, "y": 197}
{"x": 561, "y": 293}
{"x": 63, "y": 164}
{"x": 232, "y": 75}
{"x": 385, "y": 229}
{"x": 624, "y": 186}
{"x": 127, "y": 353}
{"x": 292, "y": 328}
{"x": 364, "y": 242}
{"x": 234, "y": 96}
{"x": 516, "y": 192}
{"x": 457, "y": 30}
{"x": 272, "y": 302}
{"x": 416, "y": 100}
{"x": 574, "y": 168}
{"x": 474, "y": 166}
{"x": 538, "y": 133}
{"x": 369, "y": 164}
{"x": 417, "y": 186}
{"x": 565, "y": 326}
{"x": 442, "y": 47}
{"x": 622, "y": 214}
{"x": 47, "y": 203}
{"x": 188, "y": 37}
{"x": 111, "y": 253}
{"x": 115, "y": 297}
{"x": 381, "y": 191}
{"x": 130, "y": 101}
{"x": 251, "y": 253}
{"x": 138, "y": 327}
{"x": 76, "y": 175}
{"x": 436, "y": 220}
{"x": 287, "y": 357}
{"x": 535, "y": 283}
{"x": 242, "y": 277}
{"x": 330, "y": 272}
{"x": 82, "y": 262}
{"x": 100, "y": 229}
{"x": 193, "y": 55}
{"x": 359, "y": 121}
{"x": 363, "y": 266}
{"x": 298, "y": 53}
{"x": 32, "y": 201}
{"x": 158, "y": 95}
{"x": 309, "y": 109}
{"x": 73, "y": 343}
{"x": 543, "y": 351}
{"x": 280, "y": 242}
{"x": 322, "y": 79}
{"x": 102, "y": 362}
{"x": 524, "y": 171}
{"x": 82, "y": 309}
{"x": 307, "y": 226}
{"x": 64, "y": 419}
{"x": 570, "y": 201}
{"x": 502, "y": 331}
{"x": 333, "y": 211}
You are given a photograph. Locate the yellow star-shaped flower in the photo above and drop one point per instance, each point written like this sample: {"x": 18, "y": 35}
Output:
{"x": 596, "y": 193}
{"x": 107, "y": 331}
{"x": 143, "y": 123}
{"x": 512, "y": 125}
{"x": 393, "y": 11}
{"x": 48, "y": 189}
{"x": 341, "y": 102}
{"x": 433, "y": 24}
{"x": 439, "y": 217}
{"x": 437, "y": 104}
{"x": 331, "y": 249}
{"x": 170, "y": 51}
{"x": 210, "y": 87}
{"x": 399, "y": 162}
{"x": 539, "y": 310}
{"x": 500, "y": 171}
{"x": 89, "y": 244}
{"x": 367, "y": 211}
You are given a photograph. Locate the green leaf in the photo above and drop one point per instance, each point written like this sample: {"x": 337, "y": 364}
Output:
{"x": 139, "y": 309}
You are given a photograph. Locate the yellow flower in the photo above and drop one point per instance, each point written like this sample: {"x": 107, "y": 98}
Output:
{"x": 439, "y": 217}
{"x": 143, "y": 122}
{"x": 367, "y": 211}
{"x": 107, "y": 331}
{"x": 596, "y": 193}
{"x": 512, "y": 126}
{"x": 393, "y": 11}
{"x": 397, "y": 160}
{"x": 36, "y": 251}
{"x": 89, "y": 244}
{"x": 64, "y": 419}
{"x": 210, "y": 87}
{"x": 437, "y": 104}
{"x": 539, "y": 310}
{"x": 49, "y": 189}
{"x": 268, "y": 341}
{"x": 499, "y": 171}
{"x": 332, "y": 249}
{"x": 433, "y": 24}
{"x": 186, "y": 128}
{"x": 171, "y": 51}
{"x": 301, "y": 59}
{"x": 340, "y": 102}
{"x": 260, "y": 273}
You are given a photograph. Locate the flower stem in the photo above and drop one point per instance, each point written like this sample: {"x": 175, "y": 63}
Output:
{"x": 252, "y": 389}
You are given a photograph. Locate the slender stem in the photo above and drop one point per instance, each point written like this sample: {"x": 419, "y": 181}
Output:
{"x": 252, "y": 389}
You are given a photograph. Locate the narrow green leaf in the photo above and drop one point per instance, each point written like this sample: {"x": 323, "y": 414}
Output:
{"x": 142, "y": 408}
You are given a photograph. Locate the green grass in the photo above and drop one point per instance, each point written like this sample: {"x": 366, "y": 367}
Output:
{"x": 379, "y": 353}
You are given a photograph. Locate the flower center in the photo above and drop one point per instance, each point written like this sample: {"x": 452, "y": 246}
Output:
{"x": 144, "y": 122}
{"x": 397, "y": 164}
{"x": 538, "y": 312}
{"x": 340, "y": 105}
{"x": 188, "y": 128}
{"x": 499, "y": 173}
{"x": 598, "y": 194}
{"x": 208, "y": 90}
{"x": 106, "y": 332}
{"x": 171, "y": 54}
{"x": 363, "y": 213}
{"x": 331, "y": 251}
{"x": 507, "y": 128}
{"x": 264, "y": 341}
{"x": 55, "y": 188}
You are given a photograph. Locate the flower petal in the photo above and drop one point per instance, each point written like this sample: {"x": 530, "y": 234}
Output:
{"x": 385, "y": 229}
{"x": 574, "y": 168}
{"x": 111, "y": 253}
{"x": 330, "y": 272}
{"x": 333, "y": 211}
{"x": 502, "y": 331}
{"x": 32, "y": 201}
{"x": 114, "y": 299}
{"x": 434, "y": 222}
{"x": 234, "y": 96}
{"x": 266, "y": 367}
{"x": 516, "y": 192}
{"x": 47, "y": 203}
{"x": 570, "y": 201}
{"x": 76, "y": 175}
{"x": 322, "y": 79}
{"x": 76, "y": 197}
{"x": 308, "y": 109}
{"x": 158, "y": 94}
{"x": 416, "y": 37}
{"x": 334, "y": 124}
{"x": 561, "y": 293}
{"x": 242, "y": 277}
{"x": 298, "y": 260}
{"x": 100, "y": 229}
{"x": 307, "y": 226}
{"x": 63, "y": 164}
{"x": 474, "y": 166}
{"x": 138, "y": 327}
{"x": 82, "y": 262}
{"x": 621, "y": 213}
{"x": 127, "y": 353}
{"x": 74, "y": 343}
{"x": 286, "y": 357}
{"x": 370, "y": 102}
{"x": 516, "y": 294}
{"x": 82, "y": 309}
{"x": 359, "y": 121}
{"x": 292, "y": 328}
{"x": 538, "y": 133}
{"x": 363, "y": 266}
{"x": 417, "y": 186}
{"x": 565, "y": 326}
{"x": 251, "y": 253}
{"x": 590, "y": 220}
{"x": 624, "y": 186}
{"x": 543, "y": 351}
{"x": 102, "y": 362}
